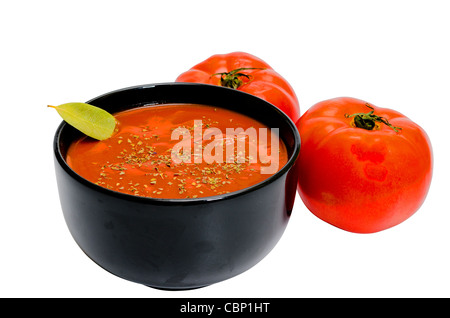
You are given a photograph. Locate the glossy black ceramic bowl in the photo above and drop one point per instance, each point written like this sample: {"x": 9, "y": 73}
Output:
{"x": 178, "y": 243}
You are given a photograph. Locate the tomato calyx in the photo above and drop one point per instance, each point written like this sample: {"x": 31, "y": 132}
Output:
{"x": 369, "y": 120}
{"x": 233, "y": 79}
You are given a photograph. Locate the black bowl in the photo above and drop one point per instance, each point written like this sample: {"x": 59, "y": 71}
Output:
{"x": 179, "y": 243}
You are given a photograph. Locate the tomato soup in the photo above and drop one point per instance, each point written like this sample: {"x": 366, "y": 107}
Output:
{"x": 179, "y": 151}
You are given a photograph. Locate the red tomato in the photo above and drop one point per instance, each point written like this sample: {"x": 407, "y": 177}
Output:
{"x": 362, "y": 168}
{"x": 246, "y": 73}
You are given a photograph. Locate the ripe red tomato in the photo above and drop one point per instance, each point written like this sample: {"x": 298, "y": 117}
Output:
{"x": 362, "y": 168}
{"x": 247, "y": 73}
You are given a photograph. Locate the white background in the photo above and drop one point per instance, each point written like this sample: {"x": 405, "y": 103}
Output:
{"x": 393, "y": 54}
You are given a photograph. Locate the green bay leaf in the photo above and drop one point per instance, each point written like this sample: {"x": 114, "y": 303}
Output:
{"x": 90, "y": 120}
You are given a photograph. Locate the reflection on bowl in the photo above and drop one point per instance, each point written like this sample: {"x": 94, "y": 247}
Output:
{"x": 179, "y": 243}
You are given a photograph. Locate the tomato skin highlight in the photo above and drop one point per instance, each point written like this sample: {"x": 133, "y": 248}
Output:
{"x": 262, "y": 80}
{"x": 359, "y": 180}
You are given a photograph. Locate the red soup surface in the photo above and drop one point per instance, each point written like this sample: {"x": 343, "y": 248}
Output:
{"x": 177, "y": 151}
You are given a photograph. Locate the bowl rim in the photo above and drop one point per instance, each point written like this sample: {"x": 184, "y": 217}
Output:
{"x": 180, "y": 201}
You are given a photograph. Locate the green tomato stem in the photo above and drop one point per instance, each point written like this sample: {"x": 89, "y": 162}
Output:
{"x": 233, "y": 79}
{"x": 368, "y": 120}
